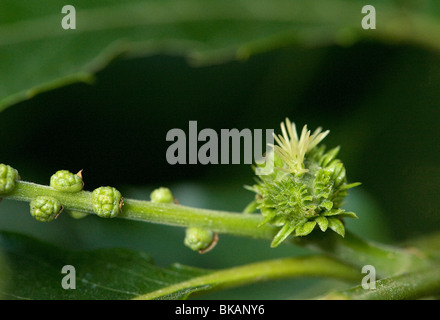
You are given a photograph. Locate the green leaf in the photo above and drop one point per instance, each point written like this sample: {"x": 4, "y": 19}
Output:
{"x": 30, "y": 269}
{"x": 282, "y": 234}
{"x": 337, "y": 226}
{"x": 329, "y": 156}
{"x": 340, "y": 213}
{"x": 305, "y": 228}
{"x": 322, "y": 223}
{"x": 327, "y": 204}
{"x": 333, "y": 212}
{"x": 348, "y": 214}
{"x": 37, "y": 54}
{"x": 351, "y": 185}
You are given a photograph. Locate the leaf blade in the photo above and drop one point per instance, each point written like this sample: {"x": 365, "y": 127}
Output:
{"x": 37, "y": 53}
{"x": 31, "y": 269}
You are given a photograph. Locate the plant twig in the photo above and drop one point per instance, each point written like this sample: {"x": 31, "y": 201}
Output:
{"x": 388, "y": 260}
{"x": 308, "y": 266}
{"x": 414, "y": 285}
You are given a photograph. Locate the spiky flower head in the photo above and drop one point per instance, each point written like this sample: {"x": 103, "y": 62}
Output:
{"x": 306, "y": 188}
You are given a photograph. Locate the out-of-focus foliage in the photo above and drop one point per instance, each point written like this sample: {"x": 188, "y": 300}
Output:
{"x": 39, "y": 52}
{"x": 376, "y": 90}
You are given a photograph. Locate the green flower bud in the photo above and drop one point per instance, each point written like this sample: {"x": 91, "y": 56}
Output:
{"x": 77, "y": 214}
{"x": 199, "y": 239}
{"x": 162, "y": 195}
{"x": 45, "y": 209}
{"x": 8, "y": 178}
{"x": 66, "y": 181}
{"x": 107, "y": 202}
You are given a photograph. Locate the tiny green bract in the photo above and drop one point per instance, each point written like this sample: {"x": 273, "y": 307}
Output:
{"x": 107, "y": 202}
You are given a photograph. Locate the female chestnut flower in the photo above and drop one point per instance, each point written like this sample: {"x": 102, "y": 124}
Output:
{"x": 305, "y": 189}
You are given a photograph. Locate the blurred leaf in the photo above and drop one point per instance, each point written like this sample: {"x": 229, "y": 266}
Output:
{"x": 311, "y": 266}
{"x": 126, "y": 274}
{"x": 37, "y": 54}
{"x": 30, "y": 269}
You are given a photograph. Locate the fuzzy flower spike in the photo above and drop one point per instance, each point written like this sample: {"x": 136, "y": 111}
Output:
{"x": 306, "y": 188}
{"x": 293, "y": 150}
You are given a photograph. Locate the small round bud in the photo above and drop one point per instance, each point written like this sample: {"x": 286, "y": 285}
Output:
{"x": 8, "y": 178}
{"x": 77, "y": 214}
{"x": 66, "y": 181}
{"x": 199, "y": 239}
{"x": 45, "y": 208}
{"x": 162, "y": 195}
{"x": 107, "y": 202}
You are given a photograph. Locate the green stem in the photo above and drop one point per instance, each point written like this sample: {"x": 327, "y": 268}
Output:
{"x": 415, "y": 285}
{"x": 388, "y": 260}
{"x": 162, "y": 213}
{"x": 178, "y": 215}
{"x": 351, "y": 249}
{"x": 311, "y": 266}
